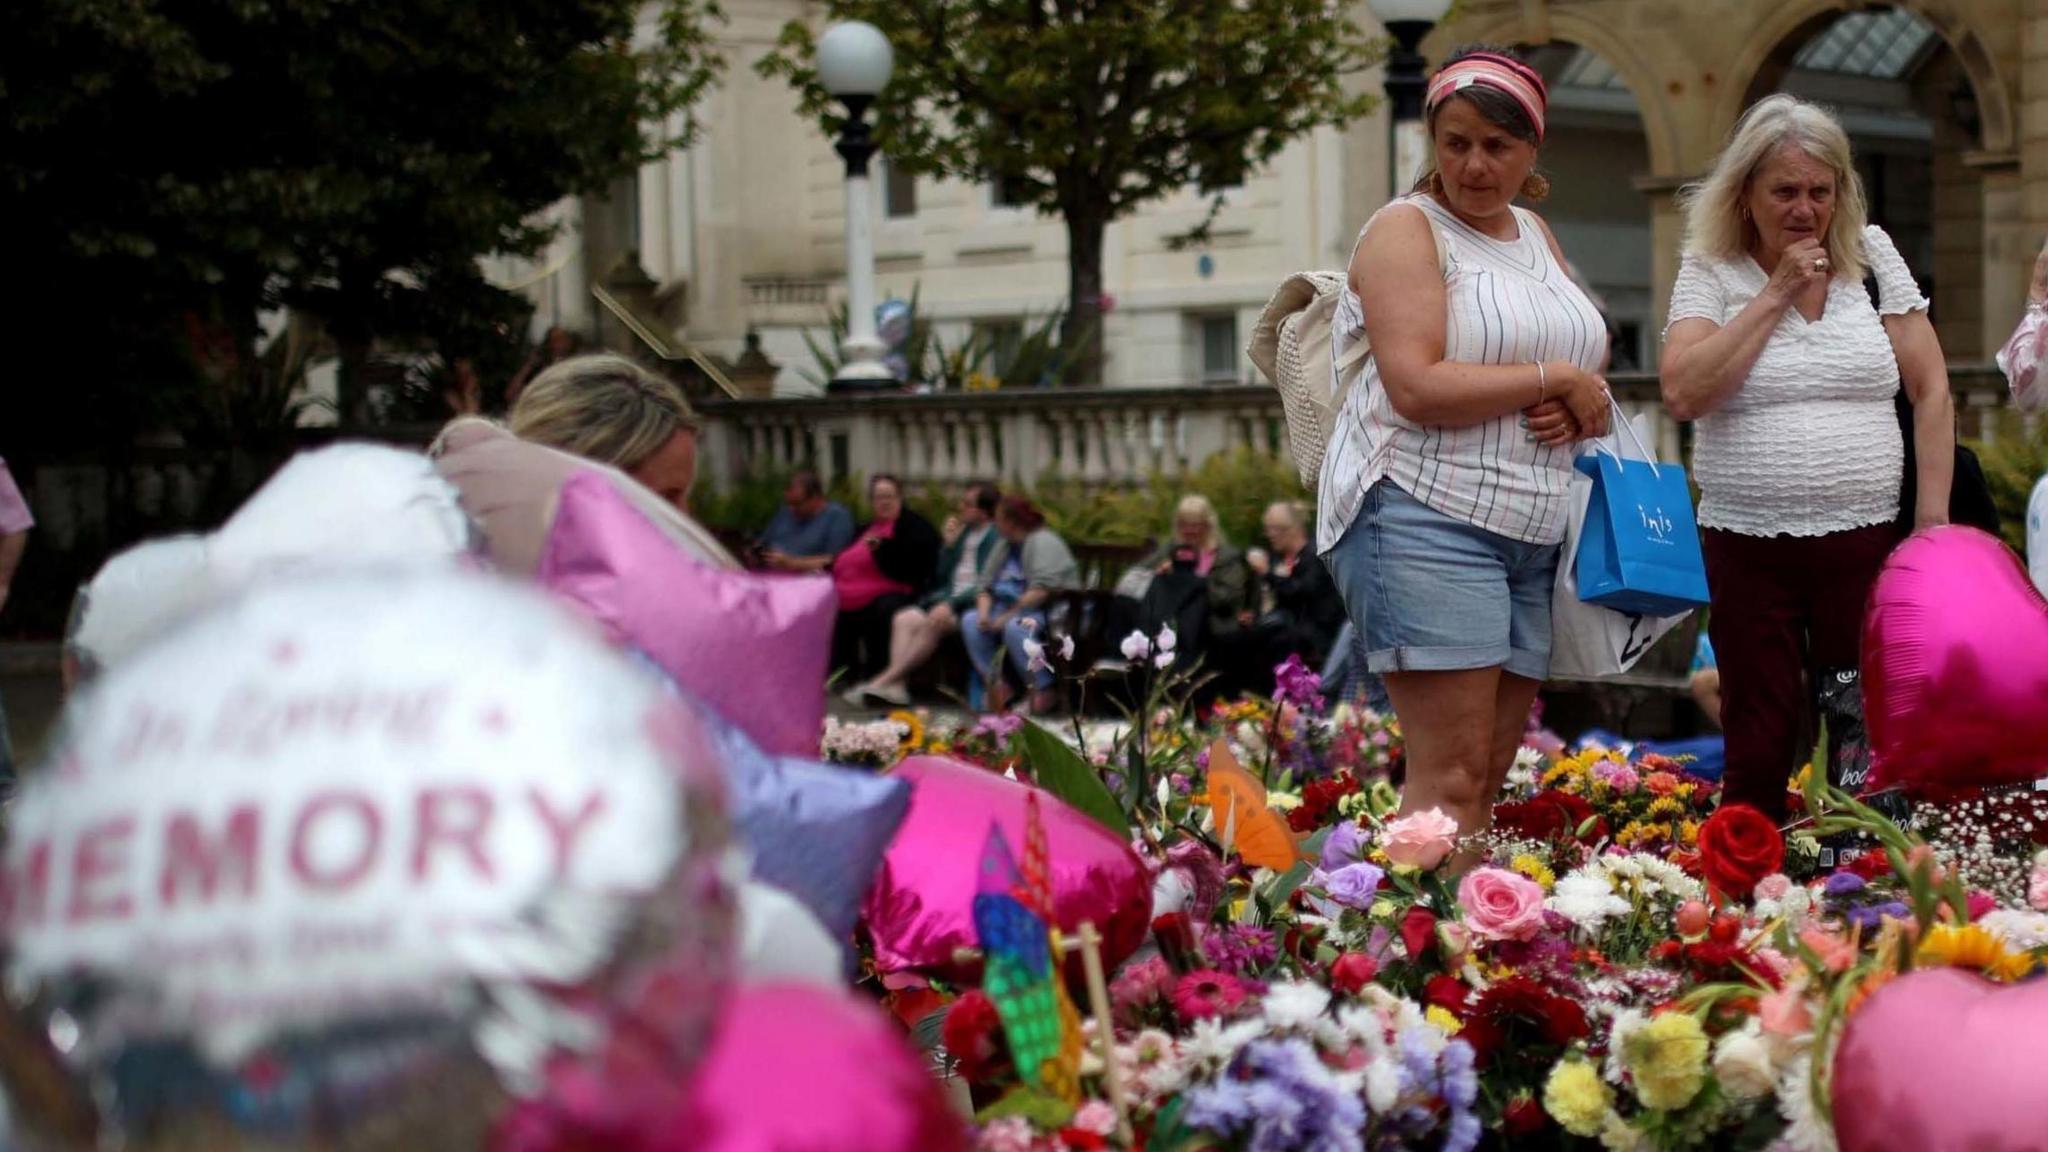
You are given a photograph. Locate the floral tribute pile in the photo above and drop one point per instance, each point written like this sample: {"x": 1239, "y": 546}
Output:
{"x": 1620, "y": 963}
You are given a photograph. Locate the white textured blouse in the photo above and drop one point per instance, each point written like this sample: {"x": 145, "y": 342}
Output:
{"x": 1506, "y": 302}
{"x": 1810, "y": 443}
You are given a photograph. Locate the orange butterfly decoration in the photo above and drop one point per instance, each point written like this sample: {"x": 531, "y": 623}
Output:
{"x": 1243, "y": 816}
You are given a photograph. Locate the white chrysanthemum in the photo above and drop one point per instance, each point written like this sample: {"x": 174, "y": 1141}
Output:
{"x": 1627, "y": 1023}
{"x": 1295, "y": 1005}
{"x": 1586, "y": 898}
{"x": 2021, "y": 931}
{"x": 1212, "y": 1045}
{"x": 1743, "y": 1065}
{"x": 1617, "y": 1136}
{"x": 1804, "y": 1129}
{"x": 1382, "y": 1085}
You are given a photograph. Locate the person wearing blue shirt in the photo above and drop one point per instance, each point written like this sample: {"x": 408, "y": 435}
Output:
{"x": 808, "y": 530}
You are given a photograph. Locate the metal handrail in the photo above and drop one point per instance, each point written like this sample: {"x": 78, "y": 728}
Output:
{"x": 660, "y": 347}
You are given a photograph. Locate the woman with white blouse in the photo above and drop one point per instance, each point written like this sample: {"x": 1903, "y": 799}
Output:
{"x": 1442, "y": 499}
{"x": 1774, "y": 348}
{"x": 2024, "y": 360}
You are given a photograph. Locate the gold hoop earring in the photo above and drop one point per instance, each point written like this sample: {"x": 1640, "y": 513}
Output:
{"x": 1536, "y": 189}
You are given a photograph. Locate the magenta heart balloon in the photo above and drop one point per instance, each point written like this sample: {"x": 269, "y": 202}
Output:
{"x": 1942, "y": 1058}
{"x": 1955, "y": 665}
{"x": 921, "y": 908}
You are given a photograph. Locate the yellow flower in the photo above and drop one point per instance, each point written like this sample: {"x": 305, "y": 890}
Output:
{"x": 1668, "y": 1058}
{"x": 1689, "y": 832}
{"x": 1528, "y": 865}
{"x": 1575, "y": 1096}
{"x": 1284, "y": 801}
{"x": 1664, "y": 808}
{"x": 1970, "y": 947}
{"x": 913, "y": 730}
{"x": 1441, "y": 1017}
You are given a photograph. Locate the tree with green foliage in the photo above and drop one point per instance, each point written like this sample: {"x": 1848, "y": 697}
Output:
{"x": 1091, "y": 108}
{"x": 182, "y": 165}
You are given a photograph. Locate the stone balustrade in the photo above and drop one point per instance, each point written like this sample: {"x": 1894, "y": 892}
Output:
{"x": 1092, "y": 436}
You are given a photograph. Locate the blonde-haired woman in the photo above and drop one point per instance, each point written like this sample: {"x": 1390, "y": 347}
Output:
{"x": 1202, "y": 587}
{"x": 1774, "y": 348}
{"x": 606, "y": 408}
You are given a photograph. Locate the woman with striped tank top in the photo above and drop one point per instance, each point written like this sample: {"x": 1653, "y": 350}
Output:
{"x": 1443, "y": 492}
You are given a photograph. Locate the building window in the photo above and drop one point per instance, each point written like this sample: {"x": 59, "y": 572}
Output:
{"x": 899, "y": 191}
{"x": 1218, "y": 349}
{"x": 1009, "y": 192}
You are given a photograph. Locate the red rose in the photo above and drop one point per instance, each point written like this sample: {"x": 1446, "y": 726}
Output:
{"x": 1871, "y": 864}
{"x": 1548, "y": 815}
{"x": 1418, "y": 933}
{"x": 1352, "y": 972}
{"x": 1082, "y": 1139}
{"x": 1725, "y": 929}
{"x": 1738, "y": 847}
{"x": 1524, "y": 1116}
{"x": 1448, "y": 993}
{"x": 1519, "y": 1000}
{"x": 973, "y": 1036}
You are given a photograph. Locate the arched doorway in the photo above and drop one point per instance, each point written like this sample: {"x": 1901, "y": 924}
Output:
{"x": 1914, "y": 117}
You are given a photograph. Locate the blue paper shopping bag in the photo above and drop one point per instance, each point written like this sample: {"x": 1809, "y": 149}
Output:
{"x": 1640, "y": 551}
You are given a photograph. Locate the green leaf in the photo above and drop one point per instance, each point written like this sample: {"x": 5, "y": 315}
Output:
{"x": 1061, "y": 771}
{"x": 1168, "y": 1133}
{"x": 1286, "y": 884}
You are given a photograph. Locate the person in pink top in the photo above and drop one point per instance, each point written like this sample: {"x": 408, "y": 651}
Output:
{"x": 15, "y": 522}
{"x": 886, "y": 568}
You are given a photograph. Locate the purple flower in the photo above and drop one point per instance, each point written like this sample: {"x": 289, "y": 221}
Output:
{"x": 1240, "y": 948}
{"x": 1345, "y": 844}
{"x": 1353, "y": 885}
{"x": 1844, "y": 884}
{"x": 1295, "y": 684}
{"x": 1278, "y": 1096}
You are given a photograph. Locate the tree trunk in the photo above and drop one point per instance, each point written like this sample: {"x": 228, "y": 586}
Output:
{"x": 1081, "y": 335}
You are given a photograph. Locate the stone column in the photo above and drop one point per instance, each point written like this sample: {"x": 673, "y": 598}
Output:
{"x": 2033, "y": 127}
{"x": 1667, "y": 243}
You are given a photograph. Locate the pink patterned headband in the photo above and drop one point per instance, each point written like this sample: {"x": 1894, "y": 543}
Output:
{"x": 1500, "y": 73}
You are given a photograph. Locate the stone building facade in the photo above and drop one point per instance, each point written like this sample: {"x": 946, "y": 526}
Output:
{"x": 1947, "y": 101}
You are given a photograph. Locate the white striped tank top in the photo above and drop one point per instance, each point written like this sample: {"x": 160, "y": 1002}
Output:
{"x": 1506, "y": 302}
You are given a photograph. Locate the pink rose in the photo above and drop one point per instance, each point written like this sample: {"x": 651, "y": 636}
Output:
{"x": 2037, "y": 888}
{"x": 1835, "y": 953}
{"x": 1784, "y": 1013}
{"x": 1501, "y": 905}
{"x": 1773, "y": 887}
{"x": 1420, "y": 839}
{"x": 1095, "y": 1116}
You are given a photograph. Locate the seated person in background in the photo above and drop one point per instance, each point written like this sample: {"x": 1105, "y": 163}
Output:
{"x": 1202, "y": 588}
{"x": 1706, "y": 679}
{"x": 1300, "y": 612}
{"x": 608, "y": 409}
{"x": 886, "y": 568}
{"x": 1010, "y": 605}
{"x": 807, "y": 531}
{"x": 971, "y": 544}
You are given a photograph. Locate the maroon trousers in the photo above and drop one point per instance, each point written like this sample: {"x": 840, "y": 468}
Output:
{"x": 1783, "y": 607}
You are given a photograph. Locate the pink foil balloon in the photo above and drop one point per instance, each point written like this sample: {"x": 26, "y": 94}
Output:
{"x": 1955, "y": 665}
{"x": 798, "y": 1068}
{"x": 794, "y": 1068}
{"x": 753, "y": 647}
{"x": 921, "y": 908}
{"x": 1943, "y": 1058}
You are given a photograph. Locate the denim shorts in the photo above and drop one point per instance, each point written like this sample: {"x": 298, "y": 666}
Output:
{"x": 1435, "y": 594}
